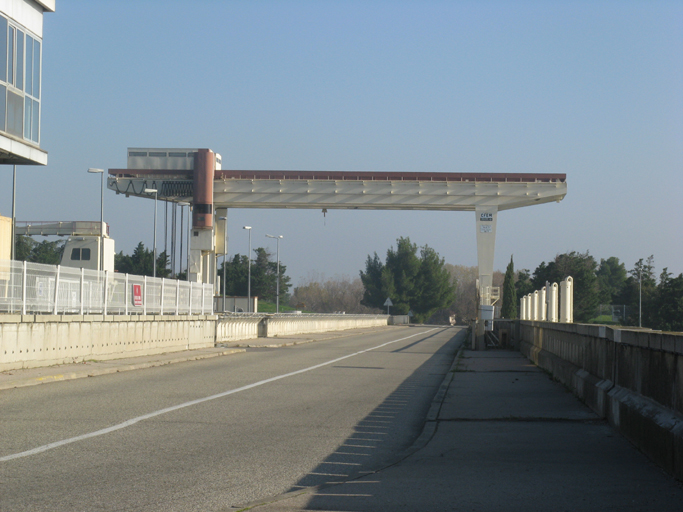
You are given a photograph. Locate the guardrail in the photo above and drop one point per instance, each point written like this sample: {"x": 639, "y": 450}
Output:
{"x": 53, "y": 289}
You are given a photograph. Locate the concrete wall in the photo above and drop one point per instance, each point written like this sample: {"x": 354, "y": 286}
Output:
{"x": 634, "y": 378}
{"x": 237, "y": 328}
{"x": 299, "y": 324}
{"x": 30, "y": 341}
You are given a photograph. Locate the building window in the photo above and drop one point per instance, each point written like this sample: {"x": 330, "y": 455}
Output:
{"x": 19, "y": 82}
{"x": 80, "y": 254}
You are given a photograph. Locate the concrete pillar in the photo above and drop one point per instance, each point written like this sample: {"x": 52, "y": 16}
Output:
{"x": 485, "y": 219}
{"x": 202, "y": 260}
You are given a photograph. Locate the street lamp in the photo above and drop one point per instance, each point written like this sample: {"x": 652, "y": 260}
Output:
{"x": 248, "y": 228}
{"x": 154, "y": 261}
{"x": 277, "y": 297}
{"x": 225, "y": 255}
{"x": 93, "y": 170}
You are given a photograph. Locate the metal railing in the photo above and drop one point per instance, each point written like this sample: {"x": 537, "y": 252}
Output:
{"x": 53, "y": 289}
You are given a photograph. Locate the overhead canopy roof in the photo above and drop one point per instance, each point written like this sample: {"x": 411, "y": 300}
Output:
{"x": 351, "y": 189}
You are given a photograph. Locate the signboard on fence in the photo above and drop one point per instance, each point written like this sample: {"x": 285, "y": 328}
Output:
{"x": 137, "y": 295}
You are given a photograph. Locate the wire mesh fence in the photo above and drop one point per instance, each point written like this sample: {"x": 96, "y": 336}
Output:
{"x": 37, "y": 288}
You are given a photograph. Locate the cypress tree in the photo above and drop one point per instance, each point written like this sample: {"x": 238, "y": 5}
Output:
{"x": 509, "y": 309}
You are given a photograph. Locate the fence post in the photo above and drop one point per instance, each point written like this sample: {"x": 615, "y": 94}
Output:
{"x": 125, "y": 294}
{"x": 82, "y": 288}
{"x": 190, "y": 298}
{"x": 203, "y": 294}
{"x": 163, "y": 287}
{"x": 106, "y": 294}
{"x": 23, "y": 289}
{"x": 177, "y": 296}
{"x": 144, "y": 297}
{"x": 56, "y": 290}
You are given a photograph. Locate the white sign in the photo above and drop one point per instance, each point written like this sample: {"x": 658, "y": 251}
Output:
{"x": 486, "y": 217}
{"x": 388, "y": 302}
{"x": 485, "y": 228}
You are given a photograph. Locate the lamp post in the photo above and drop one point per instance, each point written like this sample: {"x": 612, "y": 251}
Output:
{"x": 93, "y": 170}
{"x": 277, "y": 297}
{"x": 248, "y": 228}
{"x": 154, "y": 261}
{"x": 225, "y": 255}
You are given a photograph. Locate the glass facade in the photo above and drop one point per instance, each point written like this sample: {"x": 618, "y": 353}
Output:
{"x": 19, "y": 82}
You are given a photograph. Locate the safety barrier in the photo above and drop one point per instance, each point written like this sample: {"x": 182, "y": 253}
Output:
{"x": 542, "y": 305}
{"x": 53, "y": 289}
{"x": 240, "y": 326}
{"x": 30, "y": 341}
{"x": 632, "y": 377}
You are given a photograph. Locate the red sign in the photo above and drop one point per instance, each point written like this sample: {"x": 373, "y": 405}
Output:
{"x": 137, "y": 295}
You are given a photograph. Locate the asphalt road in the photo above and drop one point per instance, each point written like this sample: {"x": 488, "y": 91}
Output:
{"x": 212, "y": 435}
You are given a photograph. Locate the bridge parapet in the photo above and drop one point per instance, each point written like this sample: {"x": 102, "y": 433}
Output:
{"x": 631, "y": 377}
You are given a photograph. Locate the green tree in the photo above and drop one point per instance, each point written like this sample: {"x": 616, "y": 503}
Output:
{"x": 418, "y": 284}
{"x": 27, "y": 249}
{"x": 523, "y": 284}
{"x": 611, "y": 276}
{"x": 263, "y": 277}
{"x": 375, "y": 290}
{"x": 582, "y": 268}
{"x": 669, "y": 302}
{"x": 641, "y": 284}
{"x": 140, "y": 262}
{"x": 23, "y": 246}
{"x": 509, "y": 309}
{"x": 434, "y": 286}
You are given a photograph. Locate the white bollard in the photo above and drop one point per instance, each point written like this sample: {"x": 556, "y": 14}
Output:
{"x": 541, "y": 305}
{"x": 552, "y": 302}
{"x": 534, "y": 305}
{"x": 522, "y": 308}
{"x": 567, "y": 300}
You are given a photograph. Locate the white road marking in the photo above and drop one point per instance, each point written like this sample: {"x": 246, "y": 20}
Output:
{"x": 133, "y": 421}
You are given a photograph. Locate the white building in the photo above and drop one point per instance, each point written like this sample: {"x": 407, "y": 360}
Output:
{"x": 21, "y": 52}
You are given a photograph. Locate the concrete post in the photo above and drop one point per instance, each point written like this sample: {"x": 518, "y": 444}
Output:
{"x": 485, "y": 221}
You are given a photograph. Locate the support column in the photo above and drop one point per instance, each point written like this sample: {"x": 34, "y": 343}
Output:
{"x": 201, "y": 242}
{"x": 486, "y": 219}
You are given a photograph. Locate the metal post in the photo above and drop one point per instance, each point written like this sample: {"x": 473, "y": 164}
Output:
{"x": 56, "y": 290}
{"x": 248, "y": 228}
{"x": 126, "y": 298}
{"x": 154, "y": 262}
{"x": 640, "y": 297}
{"x": 177, "y": 297}
{"x": 144, "y": 296}
{"x": 23, "y": 289}
{"x": 106, "y": 292}
{"x": 189, "y": 232}
{"x": 277, "y": 297}
{"x": 161, "y": 302}
{"x": 82, "y": 288}
{"x": 14, "y": 213}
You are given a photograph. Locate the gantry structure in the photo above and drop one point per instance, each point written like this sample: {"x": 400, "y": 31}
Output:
{"x": 195, "y": 176}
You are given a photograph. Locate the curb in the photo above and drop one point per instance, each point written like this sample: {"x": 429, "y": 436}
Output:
{"x": 94, "y": 372}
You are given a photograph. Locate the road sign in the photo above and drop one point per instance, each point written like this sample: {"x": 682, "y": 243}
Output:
{"x": 388, "y": 302}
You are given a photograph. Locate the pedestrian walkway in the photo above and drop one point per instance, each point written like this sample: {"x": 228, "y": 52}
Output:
{"x": 502, "y": 435}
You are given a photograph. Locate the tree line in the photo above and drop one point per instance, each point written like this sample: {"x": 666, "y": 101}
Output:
{"x": 605, "y": 283}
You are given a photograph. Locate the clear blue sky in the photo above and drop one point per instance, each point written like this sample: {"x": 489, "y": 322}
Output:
{"x": 593, "y": 89}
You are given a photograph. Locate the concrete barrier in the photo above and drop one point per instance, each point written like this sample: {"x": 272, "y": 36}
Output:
{"x": 30, "y": 341}
{"x": 237, "y": 328}
{"x": 631, "y": 377}
{"x": 284, "y": 325}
